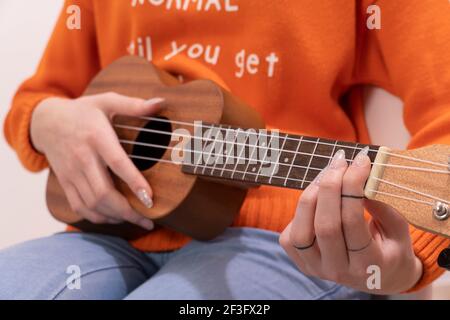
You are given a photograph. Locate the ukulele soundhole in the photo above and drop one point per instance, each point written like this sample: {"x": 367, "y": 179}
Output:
{"x": 152, "y": 143}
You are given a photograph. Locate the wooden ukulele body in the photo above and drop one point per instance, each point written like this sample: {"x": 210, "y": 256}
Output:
{"x": 196, "y": 206}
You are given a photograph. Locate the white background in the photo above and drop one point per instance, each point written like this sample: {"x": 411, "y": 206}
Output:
{"x": 24, "y": 30}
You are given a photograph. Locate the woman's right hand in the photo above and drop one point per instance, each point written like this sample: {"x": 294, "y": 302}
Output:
{"x": 80, "y": 144}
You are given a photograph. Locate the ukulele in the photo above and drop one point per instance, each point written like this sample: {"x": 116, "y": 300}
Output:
{"x": 200, "y": 198}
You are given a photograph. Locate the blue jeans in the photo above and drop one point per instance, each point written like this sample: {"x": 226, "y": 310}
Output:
{"x": 243, "y": 263}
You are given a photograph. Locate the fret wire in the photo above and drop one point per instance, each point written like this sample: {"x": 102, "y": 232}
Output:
{"x": 375, "y": 191}
{"x": 210, "y": 153}
{"x": 190, "y": 165}
{"x": 229, "y": 154}
{"x": 310, "y": 161}
{"x": 264, "y": 158}
{"x": 201, "y": 155}
{"x": 140, "y": 129}
{"x": 297, "y": 166}
{"x": 293, "y": 159}
{"x": 237, "y": 162}
{"x": 278, "y": 161}
{"x": 321, "y": 169}
{"x": 240, "y": 158}
{"x": 332, "y": 152}
{"x": 287, "y": 151}
{"x": 206, "y": 126}
{"x": 226, "y": 158}
{"x": 209, "y": 156}
{"x": 354, "y": 152}
{"x": 329, "y": 161}
{"x": 255, "y": 147}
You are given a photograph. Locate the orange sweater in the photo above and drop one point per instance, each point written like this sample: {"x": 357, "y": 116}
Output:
{"x": 293, "y": 61}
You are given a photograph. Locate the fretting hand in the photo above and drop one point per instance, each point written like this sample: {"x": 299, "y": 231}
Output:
{"x": 330, "y": 238}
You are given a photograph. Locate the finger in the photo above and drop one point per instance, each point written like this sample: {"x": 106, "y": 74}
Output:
{"x": 302, "y": 234}
{"x": 114, "y": 104}
{"x": 85, "y": 192}
{"x": 110, "y": 201}
{"x": 328, "y": 220}
{"x": 286, "y": 244}
{"x": 389, "y": 222}
{"x": 98, "y": 183}
{"x": 126, "y": 212}
{"x": 116, "y": 158}
{"x": 92, "y": 205}
{"x": 356, "y": 229}
{"x": 77, "y": 205}
{"x": 116, "y": 206}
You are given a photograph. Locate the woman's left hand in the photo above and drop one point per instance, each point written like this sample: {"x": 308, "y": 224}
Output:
{"x": 330, "y": 238}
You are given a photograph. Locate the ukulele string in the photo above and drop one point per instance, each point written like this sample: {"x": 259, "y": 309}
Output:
{"x": 304, "y": 167}
{"x": 285, "y": 151}
{"x": 293, "y": 139}
{"x": 411, "y": 190}
{"x": 402, "y": 197}
{"x": 208, "y": 167}
{"x": 238, "y": 158}
{"x": 288, "y": 179}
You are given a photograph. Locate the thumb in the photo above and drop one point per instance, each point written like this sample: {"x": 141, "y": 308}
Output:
{"x": 116, "y": 104}
{"x": 389, "y": 220}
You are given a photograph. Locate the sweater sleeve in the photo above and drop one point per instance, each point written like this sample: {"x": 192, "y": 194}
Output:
{"x": 409, "y": 56}
{"x": 68, "y": 63}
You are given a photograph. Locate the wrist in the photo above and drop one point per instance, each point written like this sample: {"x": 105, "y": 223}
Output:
{"x": 415, "y": 275}
{"x": 418, "y": 272}
{"x": 40, "y": 123}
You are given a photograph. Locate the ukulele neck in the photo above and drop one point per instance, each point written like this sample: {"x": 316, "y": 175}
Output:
{"x": 263, "y": 157}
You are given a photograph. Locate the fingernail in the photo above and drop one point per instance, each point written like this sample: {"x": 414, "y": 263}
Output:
{"x": 361, "y": 158}
{"x": 338, "y": 160}
{"x": 153, "y": 101}
{"x": 317, "y": 179}
{"x": 144, "y": 197}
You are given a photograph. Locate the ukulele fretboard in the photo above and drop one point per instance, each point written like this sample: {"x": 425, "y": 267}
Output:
{"x": 263, "y": 157}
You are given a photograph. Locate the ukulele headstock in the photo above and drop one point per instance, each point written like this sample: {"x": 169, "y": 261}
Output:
{"x": 416, "y": 183}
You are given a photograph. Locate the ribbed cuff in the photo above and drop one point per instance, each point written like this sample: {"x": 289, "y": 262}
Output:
{"x": 427, "y": 248}
{"x": 28, "y": 155}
